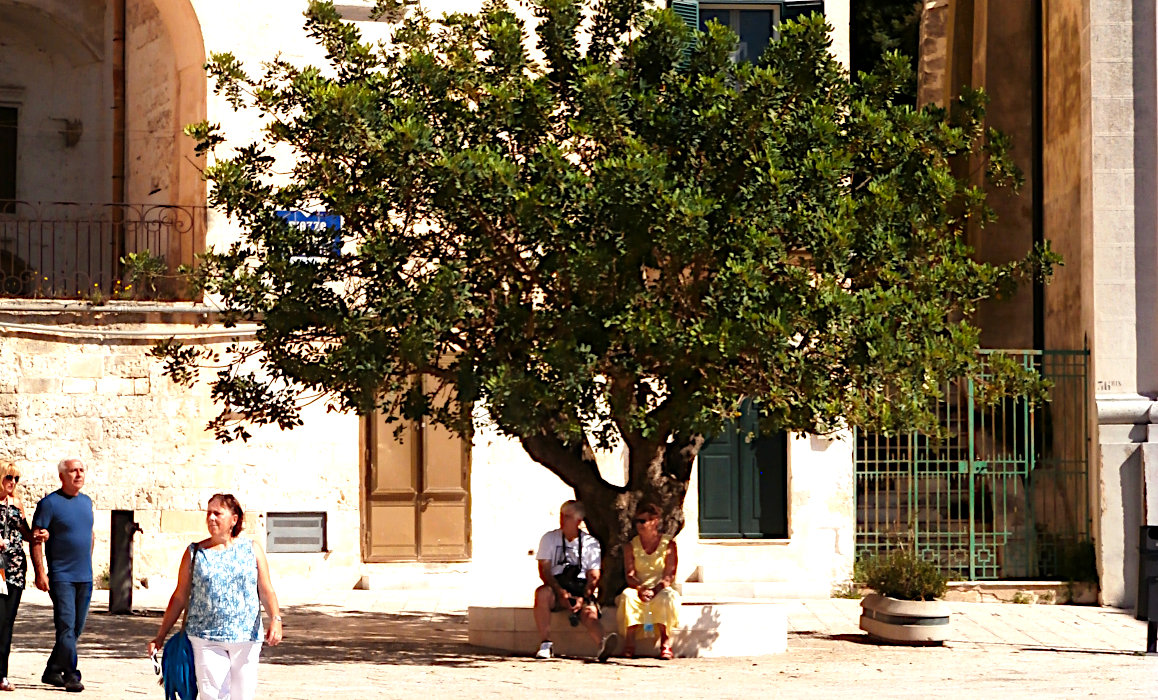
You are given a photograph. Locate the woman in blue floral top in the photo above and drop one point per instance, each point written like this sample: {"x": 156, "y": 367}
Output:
{"x": 223, "y": 581}
{"x": 13, "y": 532}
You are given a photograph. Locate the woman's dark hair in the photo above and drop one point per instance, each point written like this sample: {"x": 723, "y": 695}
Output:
{"x": 230, "y": 502}
{"x": 648, "y": 508}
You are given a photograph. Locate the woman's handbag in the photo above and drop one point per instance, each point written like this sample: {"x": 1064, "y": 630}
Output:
{"x": 178, "y": 672}
{"x": 178, "y": 675}
{"x": 4, "y": 513}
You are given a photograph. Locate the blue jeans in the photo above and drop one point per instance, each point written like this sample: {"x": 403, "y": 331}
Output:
{"x": 69, "y": 610}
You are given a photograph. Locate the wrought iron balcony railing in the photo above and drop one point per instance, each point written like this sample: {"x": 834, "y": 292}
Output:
{"x": 70, "y": 250}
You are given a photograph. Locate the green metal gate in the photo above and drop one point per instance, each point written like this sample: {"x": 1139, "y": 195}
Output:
{"x": 1004, "y": 496}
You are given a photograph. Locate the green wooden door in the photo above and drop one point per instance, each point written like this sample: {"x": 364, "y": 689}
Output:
{"x": 743, "y": 482}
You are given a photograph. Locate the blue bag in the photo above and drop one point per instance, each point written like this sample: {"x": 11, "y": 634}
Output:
{"x": 177, "y": 673}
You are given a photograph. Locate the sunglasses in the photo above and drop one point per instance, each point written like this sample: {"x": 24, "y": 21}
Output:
{"x": 12, "y": 478}
{"x": 642, "y": 521}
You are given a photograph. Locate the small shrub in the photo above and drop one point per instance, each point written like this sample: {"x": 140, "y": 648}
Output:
{"x": 847, "y": 590}
{"x": 1022, "y": 598}
{"x": 142, "y": 272}
{"x": 902, "y": 574}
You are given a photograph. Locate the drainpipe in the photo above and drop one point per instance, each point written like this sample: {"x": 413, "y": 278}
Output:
{"x": 118, "y": 173}
{"x": 1038, "y": 129}
{"x": 119, "y": 27}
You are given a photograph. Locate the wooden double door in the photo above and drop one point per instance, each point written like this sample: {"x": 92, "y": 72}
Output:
{"x": 416, "y": 495}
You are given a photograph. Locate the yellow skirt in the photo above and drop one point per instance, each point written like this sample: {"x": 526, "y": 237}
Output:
{"x": 664, "y": 608}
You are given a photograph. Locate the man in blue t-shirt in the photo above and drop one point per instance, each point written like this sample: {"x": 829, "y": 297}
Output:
{"x": 66, "y": 517}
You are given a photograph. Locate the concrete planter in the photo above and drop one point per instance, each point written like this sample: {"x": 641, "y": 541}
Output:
{"x": 904, "y": 621}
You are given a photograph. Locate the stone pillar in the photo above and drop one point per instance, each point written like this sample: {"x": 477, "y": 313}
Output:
{"x": 1127, "y": 454}
{"x": 933, "y": 66}
{"x": 1124, "y": 116}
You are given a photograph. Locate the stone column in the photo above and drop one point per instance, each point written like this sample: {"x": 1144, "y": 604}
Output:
{"x": 1125, "y": 282}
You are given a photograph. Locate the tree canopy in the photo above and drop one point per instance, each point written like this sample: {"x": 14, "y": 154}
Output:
{"x": 597, "y": 226}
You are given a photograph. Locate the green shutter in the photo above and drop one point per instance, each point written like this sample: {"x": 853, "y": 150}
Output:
{"x": 719, "y": 486}
{"x": 689, "y": 12}
{"x": 792, "y": 10}
{"x": 743, "y": 483}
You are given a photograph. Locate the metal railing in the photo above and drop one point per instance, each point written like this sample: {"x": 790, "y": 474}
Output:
{"x": 1003, "y": 495}
{"x": 72, "y": 250}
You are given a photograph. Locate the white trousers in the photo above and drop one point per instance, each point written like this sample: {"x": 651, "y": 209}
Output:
{"x": 225, "y": 670}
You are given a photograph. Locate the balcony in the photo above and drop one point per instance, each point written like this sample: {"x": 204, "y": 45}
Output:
{"x": 97, "y": 252}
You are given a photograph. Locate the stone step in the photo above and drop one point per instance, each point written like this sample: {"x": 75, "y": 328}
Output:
{"x": 708, "y": 630}
{"x": 722, "y": 591}
{"x": 1026, "y": 592}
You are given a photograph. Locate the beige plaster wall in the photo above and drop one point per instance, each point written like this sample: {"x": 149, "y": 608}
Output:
{"x": 818, "y": 554}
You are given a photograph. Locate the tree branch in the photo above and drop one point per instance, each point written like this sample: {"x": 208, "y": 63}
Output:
{"x": 575, "y": 465}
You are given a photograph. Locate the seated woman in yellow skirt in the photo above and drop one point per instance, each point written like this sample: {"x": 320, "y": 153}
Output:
{"x": 650, "y": 563}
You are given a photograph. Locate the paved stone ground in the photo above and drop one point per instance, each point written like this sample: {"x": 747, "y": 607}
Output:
{"x": 399, "y": 644}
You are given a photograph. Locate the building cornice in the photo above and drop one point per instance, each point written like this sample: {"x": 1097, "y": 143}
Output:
{"x": 1126, "y": 409}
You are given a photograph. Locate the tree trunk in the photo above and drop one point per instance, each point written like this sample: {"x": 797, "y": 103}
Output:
{"x": 658, "y": 472}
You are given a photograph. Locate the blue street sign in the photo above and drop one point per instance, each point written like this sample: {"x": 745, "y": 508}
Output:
{"x": 316, "y": 221}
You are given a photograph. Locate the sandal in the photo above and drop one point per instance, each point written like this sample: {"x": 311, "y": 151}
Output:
{"x": 6, "y": 685}
{"x": 666, "y": 653}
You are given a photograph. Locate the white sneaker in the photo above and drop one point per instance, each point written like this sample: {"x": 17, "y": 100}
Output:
{"x": 545, "y": 651}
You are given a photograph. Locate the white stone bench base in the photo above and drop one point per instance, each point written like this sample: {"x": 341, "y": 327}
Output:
{"x": 708, "y": 630}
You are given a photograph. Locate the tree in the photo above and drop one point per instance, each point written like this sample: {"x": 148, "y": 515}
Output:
{"x": 616, "y": 237}
{"x": 882, "y": 27}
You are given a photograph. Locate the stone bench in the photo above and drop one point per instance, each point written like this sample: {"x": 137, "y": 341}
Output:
{"x": 707, "y": 630}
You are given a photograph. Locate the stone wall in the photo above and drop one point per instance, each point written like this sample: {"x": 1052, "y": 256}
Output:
{"x": 144, "y": 440}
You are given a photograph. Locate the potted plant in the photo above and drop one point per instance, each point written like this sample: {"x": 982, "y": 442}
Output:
{"x": 904, "y": 609}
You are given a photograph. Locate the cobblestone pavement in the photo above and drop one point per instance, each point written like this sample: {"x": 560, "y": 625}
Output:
{"x": 399, "y": 644}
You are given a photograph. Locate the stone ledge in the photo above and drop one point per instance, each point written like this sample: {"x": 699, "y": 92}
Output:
{"x": 1029, "y": 592}
{"x": 710, "y": 630}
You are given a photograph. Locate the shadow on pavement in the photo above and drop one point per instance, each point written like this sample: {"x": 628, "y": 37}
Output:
{"x": 313, "y": 635}
{"x": 1074, "y": 650}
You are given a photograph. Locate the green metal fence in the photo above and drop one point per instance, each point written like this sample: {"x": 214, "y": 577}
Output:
{"x": 1004, "y": 495}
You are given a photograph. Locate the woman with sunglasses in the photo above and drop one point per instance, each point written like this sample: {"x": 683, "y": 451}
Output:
{"x": 13, "y": 532}
{"x": 649, "y": 600}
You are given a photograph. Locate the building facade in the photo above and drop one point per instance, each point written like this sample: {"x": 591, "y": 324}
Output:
{"x": 101, "y": 199}
{"x": 1075, "y": 82}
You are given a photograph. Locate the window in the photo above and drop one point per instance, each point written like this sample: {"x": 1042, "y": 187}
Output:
{"x": 756, "y": 25}
{"x": 7, "y": 157}
{"x": 295, "y": 532}
{"x": 743, "y": 482}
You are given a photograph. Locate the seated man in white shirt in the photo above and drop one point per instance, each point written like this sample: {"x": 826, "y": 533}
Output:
{"x": 569, "y": 563}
